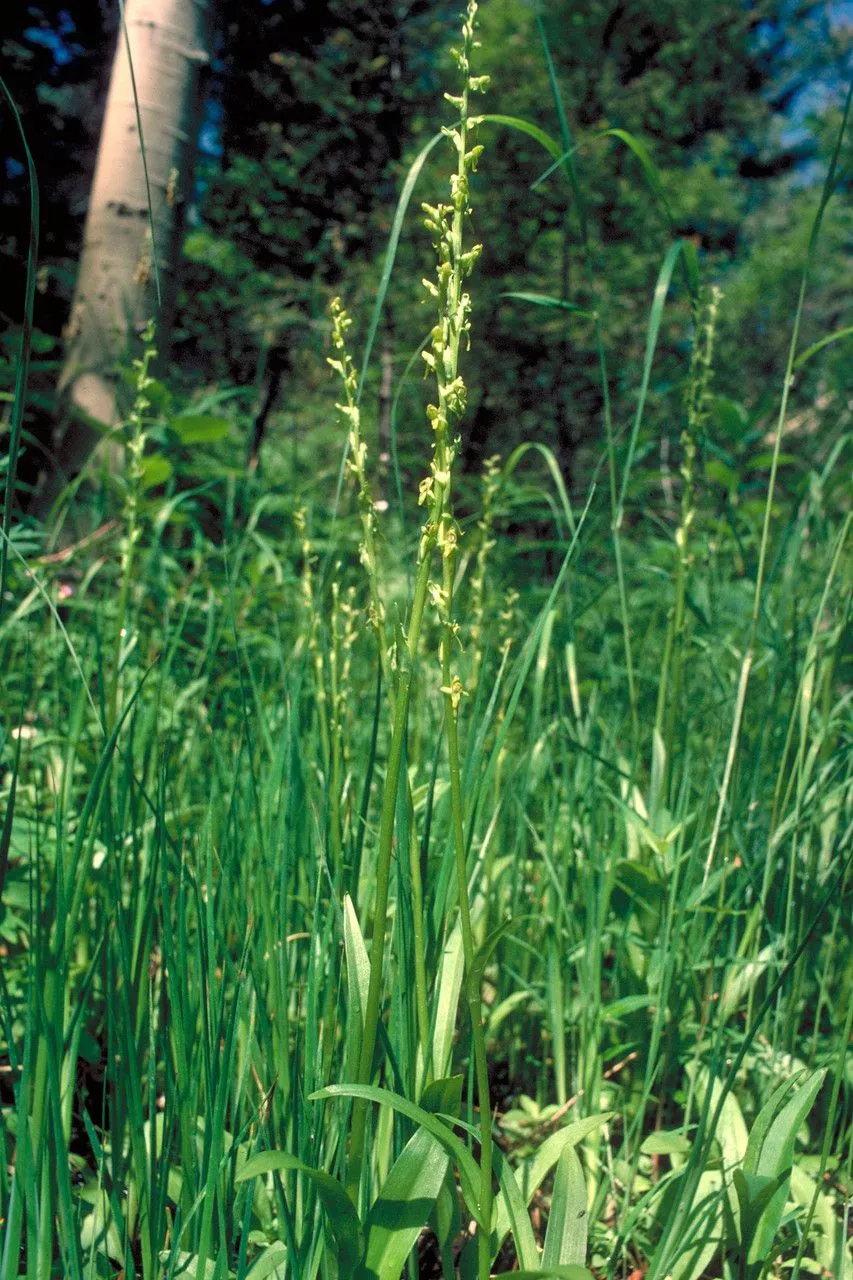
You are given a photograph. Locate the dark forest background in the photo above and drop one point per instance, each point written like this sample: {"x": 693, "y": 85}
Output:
{"x": 313, "y": 113}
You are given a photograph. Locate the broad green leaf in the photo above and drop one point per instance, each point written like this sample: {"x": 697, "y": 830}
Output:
{"x": 742, "y": 977}
{"x": 443, "y": 1096}
{"x": 772, "y": 1155}
{"x": 449, "y": 987}
{"x": 272, "y": 1259}
{"x": 532, "y": 1173}
{"x": 403, "y": 1207}
{"x": 720, "y": 474}
{"x": 762, "y": 1124}
{"x": 200, "y": 428}
{"x": 730, "y": 415}
{"x": 469, "y": 1173}
{"x": 568, "y": 1220}
{"x": 665, "y": 1144}
{"x": 358, "y": 980}
{"x": 755, "y": 1192}
{"x": 764, "y": 461}
{"x": 217, "y": 253}
{"x": 343, "y": 1219}
{"x": 155, "y": 470}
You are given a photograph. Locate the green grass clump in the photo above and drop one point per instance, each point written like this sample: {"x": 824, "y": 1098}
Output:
{"x": 369, "y": 892}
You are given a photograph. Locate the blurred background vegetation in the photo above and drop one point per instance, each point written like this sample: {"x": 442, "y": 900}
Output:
{"x": 313, "y": 114}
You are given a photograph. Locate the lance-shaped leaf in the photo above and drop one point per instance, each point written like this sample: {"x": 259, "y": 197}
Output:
{"x": 343, "y": 1220}
{"x": 768, "y": 1161}
{"x": 404, "y": 1206}
{"x": 568, "y": 1221}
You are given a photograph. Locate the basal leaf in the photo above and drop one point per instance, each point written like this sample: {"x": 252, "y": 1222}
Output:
{"x": 469, "y": 1174}
{"x": 404, "y": 1206}
{"x": 568, "y": 1221}
{"x": 343, "y": 1219}
{"x": 271, "y": 1260}
{"x": 443, "y": 1096}
{"x": 530, "y": 1175}
{"x": 358, "y": 980}
{"x": 448, "y": 987}
{"x": 776, "y": 1156}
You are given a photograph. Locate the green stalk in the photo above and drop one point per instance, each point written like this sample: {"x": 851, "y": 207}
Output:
{"x": 454, "y": 264}
{"x": 452, "y": 689}
{"x": 336, "y": 733}
{"x": 357, "y": 462}
{"x": 447, "y": 337}
{"x": 697, "y": 401}
{"x": 383, "y": 869}
{"x": 136, "y": 449}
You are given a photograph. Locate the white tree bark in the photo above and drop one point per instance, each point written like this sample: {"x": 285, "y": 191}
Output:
{"x": 116, "y": 294}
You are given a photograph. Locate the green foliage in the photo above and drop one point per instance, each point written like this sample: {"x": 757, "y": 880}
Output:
{"x": 309, "y": 802}
{"x": 677, "y": 130}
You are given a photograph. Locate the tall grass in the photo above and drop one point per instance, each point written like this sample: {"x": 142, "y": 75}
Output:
{"x": 343, "y": 926}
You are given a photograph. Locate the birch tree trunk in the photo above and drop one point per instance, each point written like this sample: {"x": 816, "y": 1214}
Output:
{"x": 116, "y": 293}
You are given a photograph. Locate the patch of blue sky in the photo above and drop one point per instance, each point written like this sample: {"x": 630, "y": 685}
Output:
{"x": 56, "y": 38}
